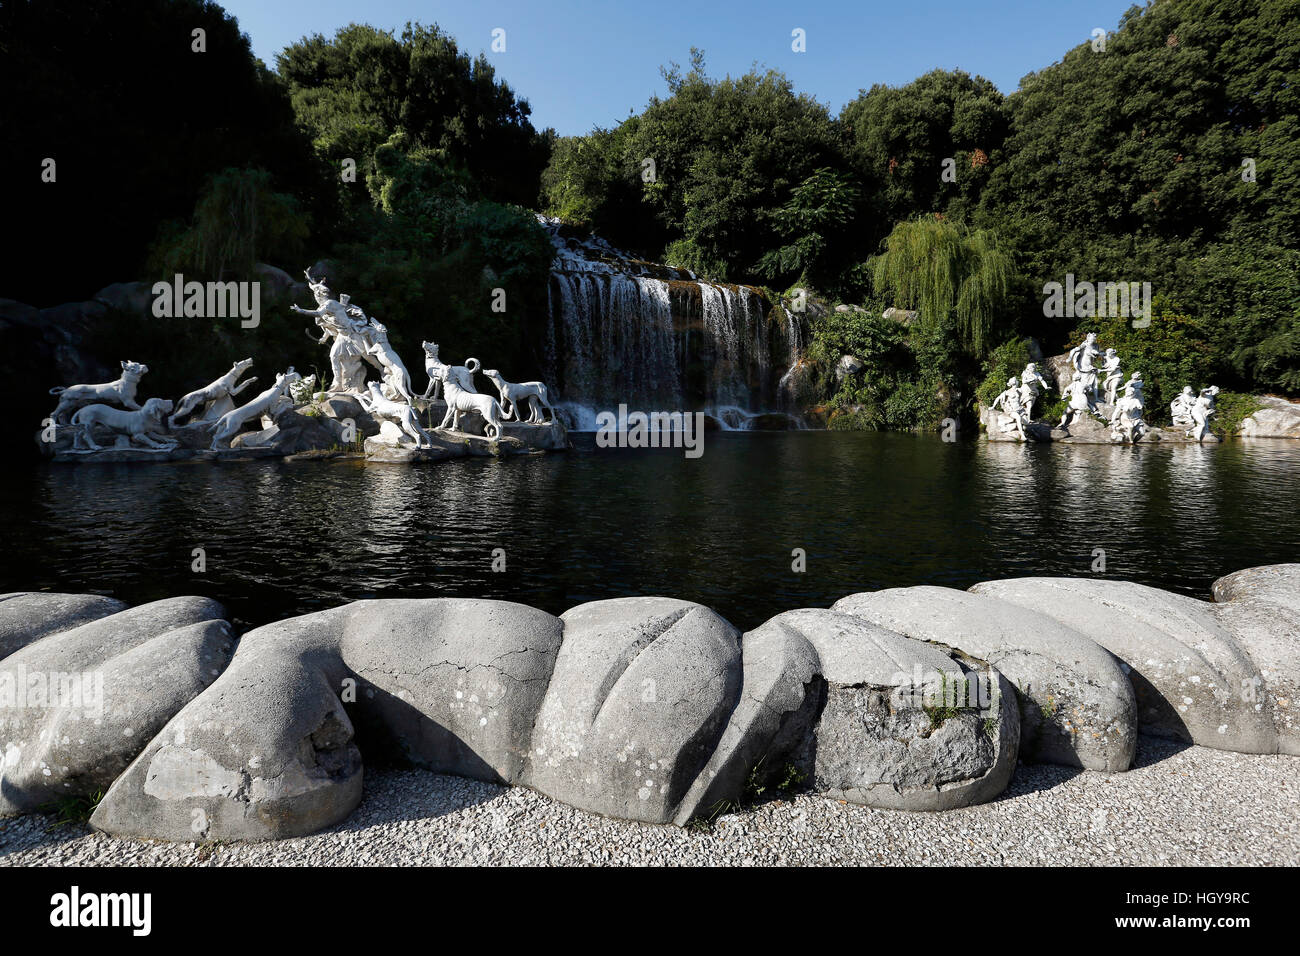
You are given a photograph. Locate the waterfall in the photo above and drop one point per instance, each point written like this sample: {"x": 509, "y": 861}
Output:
{"x": 625, "y": 331}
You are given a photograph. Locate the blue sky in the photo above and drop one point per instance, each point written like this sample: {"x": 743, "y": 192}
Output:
{"x": 585, "y": 64}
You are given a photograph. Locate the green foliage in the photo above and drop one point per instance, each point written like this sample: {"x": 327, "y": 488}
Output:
{"x": 1008, "y": 359}
{"x": 71, "y": 810}
{"x": 354, "y": 91}
{"x": 1230, "y": 408}
{"x": 899, "y": 138}
{"x": 238, "y": 221}
{"x": 817, "y": 212}
{"x": 944, "y": 270}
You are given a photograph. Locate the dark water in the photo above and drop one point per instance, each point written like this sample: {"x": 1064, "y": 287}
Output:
{"x": 871, "y": 510}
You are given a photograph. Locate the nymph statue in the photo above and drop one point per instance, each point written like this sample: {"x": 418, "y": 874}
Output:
{"x": 1032, "y": 385}
{"x": 1180, "y": 409}
{"x": 1126, "y": 422}
{"x": 1013, "y": 413}
{"x": 1080, "y": 400}
{"x": 1110, "y": 384}
{"x": 1202, "y": 412}
{"x": 1082, "y": 358}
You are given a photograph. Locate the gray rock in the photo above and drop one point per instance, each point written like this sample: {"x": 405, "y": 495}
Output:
{"x": 640, "y": 694}
{"x": 291, "y": 434}
{"x": 94, "y": 721}
{"x": 1261, "y": 606}
{"x": 1077, "y": 706}
{"x": 1278, "y": 418}
{"x": 781, "y": 693}
{"x": 269, "y": 750}
{"x": 1186, "y": 669}
{"x": 893, "y": 722}
{"x": 848, "y": 365}
{"x": 28, "y": 616}
{"x": 68, "y": 699}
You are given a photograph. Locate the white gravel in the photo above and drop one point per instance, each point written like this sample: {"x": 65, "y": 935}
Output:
{"x": 1179, "y": 805}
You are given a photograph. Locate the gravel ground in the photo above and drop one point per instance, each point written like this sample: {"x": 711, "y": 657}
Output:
{"x": 1179, "y": 805}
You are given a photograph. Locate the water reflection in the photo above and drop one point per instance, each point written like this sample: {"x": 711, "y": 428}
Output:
{"x": 870, "y": 510}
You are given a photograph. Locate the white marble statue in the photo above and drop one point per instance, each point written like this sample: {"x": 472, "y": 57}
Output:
{"x": 397, "y": 380}
{"x": 143, "y": 426}
{"x": 230, "y": 423}
{"x": 432, "y": 366}
{"x": 1202, "y": 412}
{"x": 514, "y": 395}
{"x": 118, "y": 392}
{"x": 1180, "y": 409}
{"x": 1126, "y": 422}
{"x": 458, "y": 388}
{"x": 1083, "y": 359}
{"x": 1013, "y": 416}
{"x": 399, "y": 413}
{"x": 1032, "y": 385}
{"x": 1081, "y": 399}
{"x": 349, "y": 351}
{"x": 1110, "y": 384}
{"x": 215, "y": 399}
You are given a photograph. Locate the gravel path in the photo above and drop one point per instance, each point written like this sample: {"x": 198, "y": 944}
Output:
{"x": 1179, "y": 805}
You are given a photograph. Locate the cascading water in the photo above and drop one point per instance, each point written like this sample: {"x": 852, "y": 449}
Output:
{"x": 625, "y": 331}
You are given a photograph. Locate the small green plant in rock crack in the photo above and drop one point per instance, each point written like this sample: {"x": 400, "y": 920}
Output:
{"x": 70, "y": 810}
{"x": 790, "y": 779}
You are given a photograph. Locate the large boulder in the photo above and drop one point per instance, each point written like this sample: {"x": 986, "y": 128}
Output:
{"x": 270, "y": 751}
{"x": 1279, "y": 418}
{"x": 640, "y": 694}
{"x": 290, "y": 434}
{"x": 1078, "y": 707}
{"x": 28, "y": 616}
{"x": 1261, "y": 607}
{"x": 77, "y": 705}
{"x": 866, "y": 715}
{"x": 1187, "y": 670}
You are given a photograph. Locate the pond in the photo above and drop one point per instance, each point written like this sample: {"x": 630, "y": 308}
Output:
{"x": 870, "y": 510}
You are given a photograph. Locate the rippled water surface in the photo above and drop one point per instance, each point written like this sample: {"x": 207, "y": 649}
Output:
{"x": 871, "y": 511}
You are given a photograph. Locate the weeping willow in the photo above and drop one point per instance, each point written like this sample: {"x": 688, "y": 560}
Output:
{"x": 943, "y": 269}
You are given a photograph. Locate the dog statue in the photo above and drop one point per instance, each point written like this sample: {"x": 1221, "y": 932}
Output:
{"x": 513, "y": 396}
{"x": 216, "y": 398}
{"x": 137, "y": 424}
{"x": 431, "y": 366}
{"x": 231, "y": 422}
{"x": 120, "y": 392}
{"x": 458, "y": 388}
{"x": 399, "y": 413}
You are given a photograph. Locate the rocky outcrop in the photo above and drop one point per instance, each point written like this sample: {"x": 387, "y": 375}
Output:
{"x": 78, "y": 704}
{"x": 1278, "y": 418}
{"x": 1077, "y": 705}
{"x": 650, "y": 709}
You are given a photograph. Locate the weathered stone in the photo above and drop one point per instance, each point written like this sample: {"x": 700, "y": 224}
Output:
{"x": 1278, "y": 418}
{"x": 779, "y": 699}
{"x": 640, "y": 694}
{"x": 85, "y": 731}
{"x": 1077, "y": 707}
{"x": 1261, "y": 606}
{"x": 906, "y": 725}
{"x": 28, "y": 616}
{"x": 1187, "y": 671}
{"x": 268, "y": 751}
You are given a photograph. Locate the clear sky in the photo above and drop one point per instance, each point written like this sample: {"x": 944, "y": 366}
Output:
{"x": 584, "y": 64}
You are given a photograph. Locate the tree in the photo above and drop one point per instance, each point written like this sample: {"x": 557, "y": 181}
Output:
{"x": 945, "y": 270}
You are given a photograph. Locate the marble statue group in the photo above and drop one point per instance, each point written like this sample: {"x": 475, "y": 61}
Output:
{"x": 358, "y": 344}
{"x": 1096, "y": 389}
